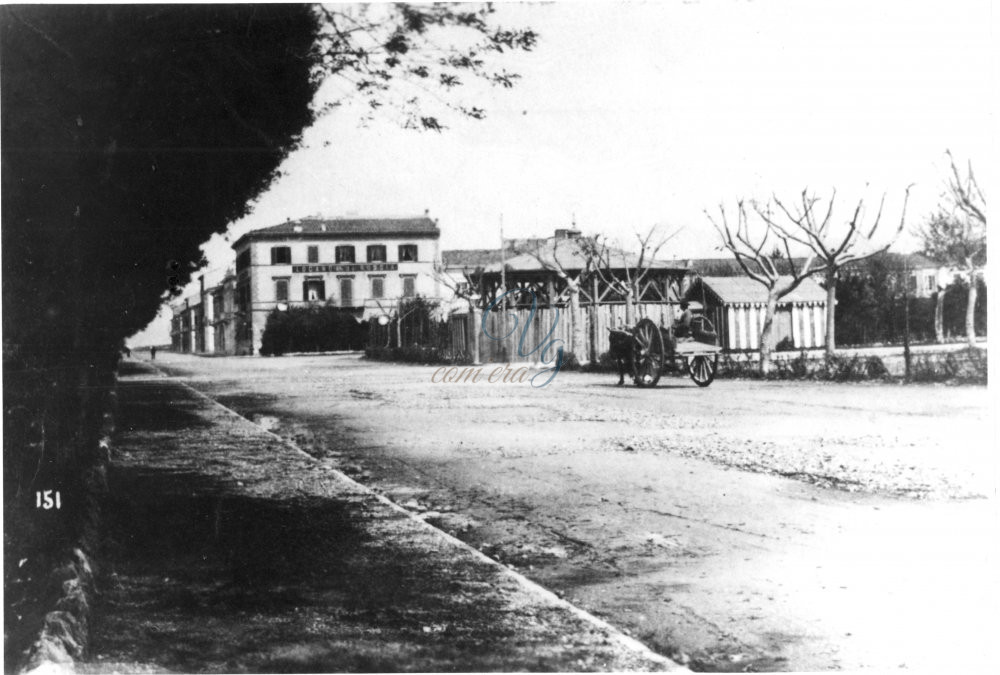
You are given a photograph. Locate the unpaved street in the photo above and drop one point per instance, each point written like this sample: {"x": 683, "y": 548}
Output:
{"x": 746, "y": 526}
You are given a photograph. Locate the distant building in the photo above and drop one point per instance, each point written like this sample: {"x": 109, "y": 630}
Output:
{"x": 221, "y": 316}
{"x": 736, "y": 305}
{"x": 924, "y": 276}
{"x": 204, "y": 323}
{"x": 544, "y": 265}
{"x": 364, "y": 265}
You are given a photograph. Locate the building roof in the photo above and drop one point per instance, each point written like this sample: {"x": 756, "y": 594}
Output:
{"x": 339, "y": 228}
{"x": 473, "y": 258}
{"x": 728, "y": 267}
{"x": 899, "y": 260}
{"x": 737, "y": 290}
{"x": 567, "y": 252}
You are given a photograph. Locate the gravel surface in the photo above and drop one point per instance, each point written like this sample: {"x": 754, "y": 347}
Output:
{"x": 229, "y": 551}
{"x": 746, "y": 526}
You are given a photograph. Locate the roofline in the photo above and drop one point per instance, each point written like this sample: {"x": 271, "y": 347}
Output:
{"x": 300, "y": 236}
{"x": 494, "y": 268}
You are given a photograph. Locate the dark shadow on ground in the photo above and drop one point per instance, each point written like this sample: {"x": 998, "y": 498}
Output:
{"x": 199, "y": 579}
{"x": 151, "y": 416}
{"x": 662, "y": 384}
{"x": 200, "y": 574}
{"x": 131, "y": 367}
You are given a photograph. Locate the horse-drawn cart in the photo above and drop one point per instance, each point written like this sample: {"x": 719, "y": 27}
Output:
{"x": 647, "y": 349}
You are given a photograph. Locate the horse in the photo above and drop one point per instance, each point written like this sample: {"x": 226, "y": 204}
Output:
{"x": 623, "y": 352}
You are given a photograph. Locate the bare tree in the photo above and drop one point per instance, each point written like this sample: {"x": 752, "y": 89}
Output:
{"x": 834, "y": 247}
{"x": 622, "y": 275}
{"x": 956, "y": 234}
{"x": 571, "y": 260}
{"x": 764, "y": 268}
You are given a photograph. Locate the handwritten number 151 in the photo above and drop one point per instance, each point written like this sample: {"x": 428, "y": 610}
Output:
{"x": 48, "y": 500}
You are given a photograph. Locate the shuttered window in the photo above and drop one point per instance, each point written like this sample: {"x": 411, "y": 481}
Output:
{"x": 281, "y": 290}
{"x": 344, "y": 254}
{"x": 281, "y": 255}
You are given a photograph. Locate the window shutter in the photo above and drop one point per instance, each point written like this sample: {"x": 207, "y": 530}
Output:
{"x": 305, "y": 291}
{"x": 322, "y": 290}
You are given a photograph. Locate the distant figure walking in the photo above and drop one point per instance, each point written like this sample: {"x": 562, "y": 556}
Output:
{"x": 152, "y": 353}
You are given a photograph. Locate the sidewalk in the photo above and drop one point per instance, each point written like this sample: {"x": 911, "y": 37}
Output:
{"x": 230, "y": 550}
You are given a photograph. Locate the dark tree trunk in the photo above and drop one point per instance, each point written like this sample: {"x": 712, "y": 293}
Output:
{"x": 831, "y": 308}
{"x": 765, "y": 333}
{"x": 579, "y": 335}
{"x": 630, "y": 307}
{"x": 939, "y": 316}
{"x": 970, "y": 310}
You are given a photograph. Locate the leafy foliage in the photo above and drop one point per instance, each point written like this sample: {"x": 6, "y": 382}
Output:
{"x": 970, "y": 366}
{"x": 871, "y": 307}
{"x": 311, "y": 329}
{"x": 835, "y": 368}
{"x": 953, "y": 240}
{"x": 130, "y": 135}
{"x": 393, "y": 56}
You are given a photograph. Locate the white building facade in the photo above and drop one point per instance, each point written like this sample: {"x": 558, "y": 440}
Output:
{"x": 362, "y": 265}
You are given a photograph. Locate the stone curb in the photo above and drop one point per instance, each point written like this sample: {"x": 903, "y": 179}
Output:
{"x": 531, "y": 587}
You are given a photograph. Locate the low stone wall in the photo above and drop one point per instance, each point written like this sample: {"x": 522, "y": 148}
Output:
{"x": 70, "y": 588}
{"x": 961, "y": 366}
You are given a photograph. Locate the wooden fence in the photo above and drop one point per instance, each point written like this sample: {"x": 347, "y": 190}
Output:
{"x": 548, "y": 324}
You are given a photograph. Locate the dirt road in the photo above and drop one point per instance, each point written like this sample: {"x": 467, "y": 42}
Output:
{"x": 747, "y": 526}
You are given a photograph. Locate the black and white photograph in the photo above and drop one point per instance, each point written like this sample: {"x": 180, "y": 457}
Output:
{"x": 498, "y": 337}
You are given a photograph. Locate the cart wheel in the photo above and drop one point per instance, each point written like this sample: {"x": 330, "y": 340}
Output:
{"x": 648, "y": 354}
{"x": 702, "y": 369}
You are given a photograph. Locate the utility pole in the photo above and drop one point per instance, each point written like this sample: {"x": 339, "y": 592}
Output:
{"x": 503, "y": 261}
{"x": 503, "y": 290}
{"x": 906, "y": 319}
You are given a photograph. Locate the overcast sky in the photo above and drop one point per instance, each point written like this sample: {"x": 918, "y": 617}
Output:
{"x": 630, "y": 115}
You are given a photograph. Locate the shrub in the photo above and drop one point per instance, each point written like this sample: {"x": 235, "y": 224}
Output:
{"x": 739, "y": 365}
{"x": 311, "y": 329}
{"x": 414, "y": 354}
{"x": 785, "y": 345}
{"x": 875, "y": 368}
{"x": 968, "y": 366}
{"x": 570, "y": 362}
{"x": 835, "y": 369}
